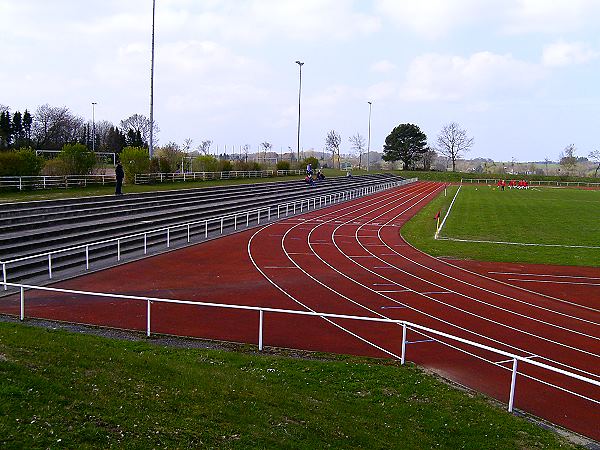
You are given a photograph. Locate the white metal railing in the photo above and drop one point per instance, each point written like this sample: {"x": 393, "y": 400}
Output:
{"x": 303, "y": 204}
{"x": 50, "y": 182}
{"x": 427, "y": 332}
{"x": 145, "y": 178}
{"x": 493, "y": 181}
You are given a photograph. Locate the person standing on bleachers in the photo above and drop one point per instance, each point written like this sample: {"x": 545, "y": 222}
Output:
{"x": 119, "y": 174}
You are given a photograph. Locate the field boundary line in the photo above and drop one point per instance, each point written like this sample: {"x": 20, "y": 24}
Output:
{"x": 437, "y": 232}
{"x": 529, "y": 244}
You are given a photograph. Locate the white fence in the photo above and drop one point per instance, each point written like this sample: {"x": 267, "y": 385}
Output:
{"x": 493, "y": 181}
{"x": 428, "y": 333}
{"x": 68, "y": 181}
{"x": 201, "y": 226}
{"x": 55, "y": 182}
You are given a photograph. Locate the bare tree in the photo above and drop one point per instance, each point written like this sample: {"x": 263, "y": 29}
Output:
{"x": 357, "y": 143}
{"x": 204, "y": 146}
{"x": 332, "y": 144}
{"x": 266, "y": 146}
{"x": 546, "y": 162}
{"x": 187, "y": 144}
{"x": 568, "y": 160}
{"x": 245, "y": 150}
{"x": 594, "y": 156}
{"x": 54, "y": 127}
{"x": 139, "y": 122}
{"x": 453, "y": 142}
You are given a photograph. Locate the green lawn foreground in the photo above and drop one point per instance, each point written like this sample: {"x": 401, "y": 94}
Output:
{"x": 536, "y": 215}
{"x": 72, "y": 390}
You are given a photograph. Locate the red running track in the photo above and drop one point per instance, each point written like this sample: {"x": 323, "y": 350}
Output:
{"x": 350, "y": 259}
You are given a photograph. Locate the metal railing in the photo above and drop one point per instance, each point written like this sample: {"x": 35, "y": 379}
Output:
{"x": 201, "y": 226}
{"x": 54, "y": 182}
{"x": 426, "y": 332}
{"x": 146, "y": 178}
{"x": 493, "y": 181}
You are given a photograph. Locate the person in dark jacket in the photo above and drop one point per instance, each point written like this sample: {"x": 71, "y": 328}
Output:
{"x": 120, "y": 174}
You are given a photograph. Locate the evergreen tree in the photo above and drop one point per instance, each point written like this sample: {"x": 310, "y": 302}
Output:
{"x": 27, "y": 122}
{"x": 17, "y": 130}
{"x": 5, "y": 130}
{"x": 115, "y": 141}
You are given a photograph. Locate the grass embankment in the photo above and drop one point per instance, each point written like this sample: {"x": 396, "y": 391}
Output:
{"x": 65, "y": 390}
{"x": 539, "y": 216}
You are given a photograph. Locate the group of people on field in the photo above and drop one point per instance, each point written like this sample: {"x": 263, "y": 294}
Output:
{"x": 516, "y": 184}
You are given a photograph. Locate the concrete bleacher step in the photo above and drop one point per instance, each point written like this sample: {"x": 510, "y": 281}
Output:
{"x": 38, "y": 227}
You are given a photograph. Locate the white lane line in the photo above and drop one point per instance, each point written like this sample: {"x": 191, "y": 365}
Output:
{"x": 436, "y": 292}
{"x": 525, "y": 244}
{"x": 403, "y": 290}
{"x": 420, "y": 341}
{"x": 305, "y": 254}
{"x": 553, "y": 282}
{"x": 394, "y": 307}
{"x": 383, "y": 267}
{"x": 280, "y": 267}
{"x": 386, "y": 284}
{"x": 545, "y": 275}
{"x": 524, "y": 357}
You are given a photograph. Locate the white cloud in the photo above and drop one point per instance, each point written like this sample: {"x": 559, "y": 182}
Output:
{"x": 567, "y": 53}
{"x": 551, "y": 16}
{"x": 383, "y": 66}
{"x": 431, "y": 18}
{"x": 453, "y": 78}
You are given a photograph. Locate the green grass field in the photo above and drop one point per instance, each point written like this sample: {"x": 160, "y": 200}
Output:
{"x": 562, "y": 217}
{"x": 70, "y": 390}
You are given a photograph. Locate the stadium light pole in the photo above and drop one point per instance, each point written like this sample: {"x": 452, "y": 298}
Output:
{"x": 300, "y": 64}
{"x": 151, "y": 143}
{"x": 94, "y": 126}
{"x": 369, "y": 136}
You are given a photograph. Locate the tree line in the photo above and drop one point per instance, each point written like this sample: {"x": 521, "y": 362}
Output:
{"x": 53, "y": 127}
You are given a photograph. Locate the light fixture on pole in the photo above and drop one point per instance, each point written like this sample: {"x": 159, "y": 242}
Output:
{"x": 300, "y": 64}
{"x": 151, "y": 146}
{"x": 94, "y": 126}
{"x": 369, "y": 136}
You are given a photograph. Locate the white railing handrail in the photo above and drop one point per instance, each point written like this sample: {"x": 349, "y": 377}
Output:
{"x": 342, "y": 194}
{"x": 405, "y": 324}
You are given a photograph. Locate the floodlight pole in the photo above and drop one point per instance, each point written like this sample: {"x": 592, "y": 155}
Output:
{"x": 369, "y": 136}
{"x": 300, "y": 64}
{"x": 151, "y": 146}
{"x": 94, "y": 126}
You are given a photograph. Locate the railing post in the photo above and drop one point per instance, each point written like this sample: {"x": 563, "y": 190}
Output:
{"x": 287, "y": 208}
{"x": 118, "y": 249}
{"x": 222, "y": 225}
{"x": 260, "y": 329}
{"x": 145, "y": 243}
{"x": 87, "y": 257}
{"x": 269, "y": 213}
{"x": 206, "y": 228}
{"x": 402, "y": 355}
{"x": 258, "y": 217}
{"x": 148, "y": 318}
{"x": 168, "y": 237}
{"x": 188, "y": 233}
{"x": 50, "y": 265}
{"x": 4, "y": 275}
{"x": 278, "y": 211}
{"x": 235, "y": 221}
{"x": 247, "y": 218}
{"x": 513, "y": 381}
{"x": 22, "y": 315}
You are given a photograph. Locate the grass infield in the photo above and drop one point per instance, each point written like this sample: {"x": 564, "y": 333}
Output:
{"x": 71, "y": 390}
{"x": 550, "y": 216}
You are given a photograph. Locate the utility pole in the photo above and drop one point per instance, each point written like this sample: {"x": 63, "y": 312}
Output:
{"x": 300, "y": 64}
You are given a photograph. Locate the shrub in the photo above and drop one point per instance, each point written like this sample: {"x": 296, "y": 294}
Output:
{"x": 55, "y": 167}
{"x": 206, "y": 163}
{"x": 77, "y": 159}
{"x": 159, "y": 164}
{"x": 135, "y": 160}
{"x": 225, "y": 166}
{"x": 23, "y": 162}
{"x": 283, "y": 165}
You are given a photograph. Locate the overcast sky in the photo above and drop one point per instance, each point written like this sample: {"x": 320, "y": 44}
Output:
{"x": 522, "y": 76}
